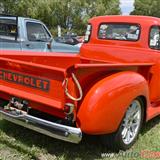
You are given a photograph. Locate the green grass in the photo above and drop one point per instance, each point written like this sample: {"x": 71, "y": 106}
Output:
{"x": 18, "y": 143}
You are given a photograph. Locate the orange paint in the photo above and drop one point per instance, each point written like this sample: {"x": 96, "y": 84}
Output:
{"x": 111, "y": 73}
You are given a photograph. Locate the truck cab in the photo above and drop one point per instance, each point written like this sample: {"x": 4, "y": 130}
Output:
{"x": 126, "y": 39}
{"x": 20, "y": 33}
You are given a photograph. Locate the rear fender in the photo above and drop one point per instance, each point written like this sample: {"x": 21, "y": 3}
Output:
{"x": 106, "y": 102}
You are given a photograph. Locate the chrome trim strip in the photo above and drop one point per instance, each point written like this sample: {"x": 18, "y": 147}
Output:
{"x": 59, "y": 131}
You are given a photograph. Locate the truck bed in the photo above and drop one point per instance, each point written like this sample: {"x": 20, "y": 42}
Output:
{"x": 38, "y": 77}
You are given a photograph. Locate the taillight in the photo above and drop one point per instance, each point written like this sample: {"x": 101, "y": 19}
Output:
{"x": 68, "y": 108}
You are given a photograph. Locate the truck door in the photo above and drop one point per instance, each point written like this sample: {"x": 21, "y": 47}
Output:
{"x": 37, "y": 37}
{"x": 154, "y": 44}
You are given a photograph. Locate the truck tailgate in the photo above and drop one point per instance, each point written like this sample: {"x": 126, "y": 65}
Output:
{"x": 40, "y": 84}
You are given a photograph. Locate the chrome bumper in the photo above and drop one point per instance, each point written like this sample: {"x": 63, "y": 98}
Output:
{"x": 48, "y": 128}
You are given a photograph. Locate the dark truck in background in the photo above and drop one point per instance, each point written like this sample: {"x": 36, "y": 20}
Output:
{"x": 26, "y": 34}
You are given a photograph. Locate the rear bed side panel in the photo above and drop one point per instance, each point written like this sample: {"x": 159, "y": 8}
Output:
{"x": 106, "y": 102}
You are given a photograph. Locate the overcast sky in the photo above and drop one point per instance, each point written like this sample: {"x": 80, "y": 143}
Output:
{"x": 126, "y": 6}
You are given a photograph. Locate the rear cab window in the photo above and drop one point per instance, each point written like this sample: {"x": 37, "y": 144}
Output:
{"x": 118, "y": 31}
{"x": 8, "y": 29}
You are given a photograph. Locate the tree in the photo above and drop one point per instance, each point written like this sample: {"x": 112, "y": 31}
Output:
{"x": 81, "y": 10}
{"x": 147, "y": 7}
{"x": 56, "y": 12}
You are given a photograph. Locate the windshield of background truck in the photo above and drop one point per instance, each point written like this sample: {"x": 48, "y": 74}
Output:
{"x": 8, "y": 29}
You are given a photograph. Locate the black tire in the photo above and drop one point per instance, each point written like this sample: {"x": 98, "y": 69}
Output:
{"x": 114, "y": 141}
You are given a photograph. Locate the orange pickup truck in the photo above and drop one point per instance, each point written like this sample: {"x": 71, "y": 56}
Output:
{"x": 110, "y": 89}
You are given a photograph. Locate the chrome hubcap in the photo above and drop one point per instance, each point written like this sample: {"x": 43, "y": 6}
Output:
{"x": 131, "y": 122}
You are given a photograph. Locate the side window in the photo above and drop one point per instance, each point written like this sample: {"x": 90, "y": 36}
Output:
{"x": 37, "y": 32}
{"x": 119, "y": 31}
{"x": 88, "y": 33}
{"x": 154, "y": 38}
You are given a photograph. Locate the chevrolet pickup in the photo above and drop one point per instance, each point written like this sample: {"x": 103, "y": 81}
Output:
{"x": 20, "y": 33}
{"x": 110, "y": 89}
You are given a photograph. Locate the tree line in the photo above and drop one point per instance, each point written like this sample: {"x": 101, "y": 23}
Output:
{"x": 147, "y": 8}
{"x": 72, "y": 13}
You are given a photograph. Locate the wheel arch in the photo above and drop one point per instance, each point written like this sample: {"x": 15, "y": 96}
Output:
{"x": 91, "y": 114}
